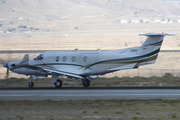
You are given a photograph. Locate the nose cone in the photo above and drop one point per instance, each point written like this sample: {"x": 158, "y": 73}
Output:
{"x": 5, "y": 65}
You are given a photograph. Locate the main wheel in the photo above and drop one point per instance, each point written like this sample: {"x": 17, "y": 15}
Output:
{"x": 58, "y": 83}
{"x": 31, "y": 84}
{"x": 86, "y": 83}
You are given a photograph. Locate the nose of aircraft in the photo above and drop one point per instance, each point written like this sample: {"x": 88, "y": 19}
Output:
{"x": 5, "y": 65}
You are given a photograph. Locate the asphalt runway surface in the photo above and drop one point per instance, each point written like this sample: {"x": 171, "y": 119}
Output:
{"x": 89, "y": 93}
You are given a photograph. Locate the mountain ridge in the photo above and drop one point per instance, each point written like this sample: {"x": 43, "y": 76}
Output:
{"x": 103, "y": 9}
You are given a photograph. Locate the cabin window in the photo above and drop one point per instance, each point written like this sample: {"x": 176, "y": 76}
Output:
{"x": 73, "y": 59}
{"x": 85, "y": 59}
{"x": 57, "y": 58}
{"x": 64, "y": 58}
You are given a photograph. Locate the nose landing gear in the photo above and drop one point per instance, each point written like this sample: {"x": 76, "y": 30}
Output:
{"x": 31, "y": 84}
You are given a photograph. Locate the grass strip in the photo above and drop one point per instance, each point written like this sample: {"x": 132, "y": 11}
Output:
{"x": 98, "y": 82}
{"x": 158, "y": 109}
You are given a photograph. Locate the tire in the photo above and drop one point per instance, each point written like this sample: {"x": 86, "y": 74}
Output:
{"x": 31, "y": 84}
{"x": 86, "y": 83}
{"x": 58, "y": 83}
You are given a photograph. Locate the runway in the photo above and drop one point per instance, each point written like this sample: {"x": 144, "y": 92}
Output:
{"x": 76, "y": 94}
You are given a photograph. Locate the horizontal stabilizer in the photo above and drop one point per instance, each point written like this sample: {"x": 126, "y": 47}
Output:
{"x": 156, "y": 34}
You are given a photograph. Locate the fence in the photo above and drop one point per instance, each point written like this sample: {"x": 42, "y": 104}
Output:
{"x": 122, "y": 73}
{"x": 146, "y": 73}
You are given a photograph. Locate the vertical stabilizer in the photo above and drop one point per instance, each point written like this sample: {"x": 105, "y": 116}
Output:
{"x": 151, "y": 46}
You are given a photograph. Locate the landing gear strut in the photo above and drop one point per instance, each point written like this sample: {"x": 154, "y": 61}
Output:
{"x": 58, "y": 83}
{"x": 31, "y": 84}
{"x": 86, "y": 83}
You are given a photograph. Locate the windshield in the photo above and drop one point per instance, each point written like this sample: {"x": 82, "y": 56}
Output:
{"x": 39, "y": 57}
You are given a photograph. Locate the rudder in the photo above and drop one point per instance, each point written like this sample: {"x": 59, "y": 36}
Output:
{"x": 151, "y": 46}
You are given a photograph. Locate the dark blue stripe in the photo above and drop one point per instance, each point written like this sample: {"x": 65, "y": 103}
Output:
{"x": 126, "y": 59}
{"x": 155, "y": 43}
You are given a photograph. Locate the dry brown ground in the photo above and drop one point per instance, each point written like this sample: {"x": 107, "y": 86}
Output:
{"x": 115, "y": 36}
{"x": 90, "y": 109}
{"x": 98, "y": 82}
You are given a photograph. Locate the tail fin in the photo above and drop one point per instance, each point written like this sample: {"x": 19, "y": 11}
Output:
{"x": 151, "y": 46}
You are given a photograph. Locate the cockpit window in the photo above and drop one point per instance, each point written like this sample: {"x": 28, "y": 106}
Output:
{"x": 40, "y": 57}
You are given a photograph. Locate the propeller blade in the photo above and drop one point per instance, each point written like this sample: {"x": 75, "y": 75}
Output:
{"x": 7, "y": 74}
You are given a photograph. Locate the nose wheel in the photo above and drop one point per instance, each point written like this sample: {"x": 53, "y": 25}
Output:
{"x": 86, "y": 83}
{"x": 31, "y": 84}
{"x": 58, "y": 83}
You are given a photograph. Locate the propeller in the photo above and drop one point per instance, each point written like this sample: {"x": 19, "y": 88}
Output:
{"x": 7, "y": 74}
{"x": 7, "y": 71}
{"x": 4, "y": 62}
{"x": 7, "y": 65}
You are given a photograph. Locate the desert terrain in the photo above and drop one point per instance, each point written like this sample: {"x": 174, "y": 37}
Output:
{"x": 90, "y": 109}
{"x": 88, "y": 25}
{"x": 167, "y": 80}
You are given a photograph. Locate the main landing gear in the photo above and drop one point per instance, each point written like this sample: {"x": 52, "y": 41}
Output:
{"x": 86, "y": 83}
{"x": 58, "y": 83}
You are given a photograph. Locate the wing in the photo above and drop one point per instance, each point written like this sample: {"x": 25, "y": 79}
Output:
{"x": 24, "y": 63}
{"x": 62, "y": 73}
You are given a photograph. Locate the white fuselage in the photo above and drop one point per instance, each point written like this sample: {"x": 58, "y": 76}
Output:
{"x": 83, "y": 62}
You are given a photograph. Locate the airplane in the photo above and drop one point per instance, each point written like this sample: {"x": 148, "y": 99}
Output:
{"x": 87, "y": 65}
